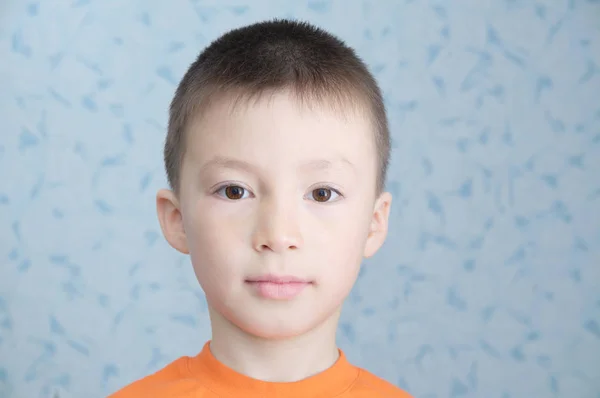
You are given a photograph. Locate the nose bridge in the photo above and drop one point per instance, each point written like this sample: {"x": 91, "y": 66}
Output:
{"x": 277, "y": 226}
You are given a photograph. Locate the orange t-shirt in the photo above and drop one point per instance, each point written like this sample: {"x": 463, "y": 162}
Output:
{"x": 205, "y": 377}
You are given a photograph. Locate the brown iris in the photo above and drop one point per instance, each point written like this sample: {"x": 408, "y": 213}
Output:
{"x": 321, "y": 194}
{"x": 234, "y": 192}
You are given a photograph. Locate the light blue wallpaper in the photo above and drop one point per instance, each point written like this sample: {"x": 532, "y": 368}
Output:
{"x": 489, "y": 284}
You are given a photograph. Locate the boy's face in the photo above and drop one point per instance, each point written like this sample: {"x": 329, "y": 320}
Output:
{"x": 277, "y": 208}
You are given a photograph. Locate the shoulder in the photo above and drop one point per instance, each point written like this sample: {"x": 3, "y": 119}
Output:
{"x": 171, "y": 381}
{"x": 369, "y": 385}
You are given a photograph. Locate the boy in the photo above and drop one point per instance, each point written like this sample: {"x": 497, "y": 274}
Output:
{"x": 276, "y": 154}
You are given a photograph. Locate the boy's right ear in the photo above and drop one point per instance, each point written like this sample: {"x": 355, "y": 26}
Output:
{"x": 171, "y": 221}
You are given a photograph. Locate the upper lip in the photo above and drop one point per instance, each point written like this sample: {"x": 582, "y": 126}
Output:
{"x": 278, "y": 279}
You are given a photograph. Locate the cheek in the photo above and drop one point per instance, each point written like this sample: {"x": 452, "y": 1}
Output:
{"x": 212, "y": 227}
{"x": 342, "y": 228}
{"x": 341, "y": 242}
{"x": 211, "y": 237}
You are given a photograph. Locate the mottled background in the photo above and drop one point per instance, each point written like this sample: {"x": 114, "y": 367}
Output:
{"x": 489, "y": 285}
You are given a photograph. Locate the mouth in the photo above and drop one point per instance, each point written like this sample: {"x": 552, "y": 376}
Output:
{"x": 278, "y": 287}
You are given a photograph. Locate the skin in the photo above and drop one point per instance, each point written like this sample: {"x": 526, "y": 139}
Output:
{"x": 304, "y": 204}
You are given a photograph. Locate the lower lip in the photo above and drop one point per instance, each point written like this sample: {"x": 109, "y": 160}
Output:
{"x": 279, "y": 291}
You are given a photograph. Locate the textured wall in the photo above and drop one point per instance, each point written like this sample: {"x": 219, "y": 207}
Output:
{"x": 489, "y": 285}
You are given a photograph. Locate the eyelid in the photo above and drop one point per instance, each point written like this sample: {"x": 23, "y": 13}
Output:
{"x": 215, "y": 189}
{"x": 327, "y": 186}
{"x": 330, "y": 187}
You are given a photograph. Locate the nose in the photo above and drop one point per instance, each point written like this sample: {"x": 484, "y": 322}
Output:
{"x": 277, "y": 229}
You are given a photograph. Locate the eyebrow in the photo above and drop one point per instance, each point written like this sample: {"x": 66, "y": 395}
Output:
{"x": 228, "y": 163}
{"x": 324, "y": 164}
{"x": 237, "y": 164}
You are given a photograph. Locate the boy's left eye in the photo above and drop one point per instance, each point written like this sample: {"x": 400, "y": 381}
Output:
{"x": 324, "y": 194}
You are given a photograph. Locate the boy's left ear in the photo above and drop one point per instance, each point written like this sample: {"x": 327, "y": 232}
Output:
{"x": 379, "y": 224}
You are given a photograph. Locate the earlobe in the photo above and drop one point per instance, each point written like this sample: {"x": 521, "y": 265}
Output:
{"x": 171, "y": 222}
{"x": 379, "y": 224}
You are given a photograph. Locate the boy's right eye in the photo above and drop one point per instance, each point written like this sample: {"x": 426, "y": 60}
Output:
{"x": 233, "y": 192}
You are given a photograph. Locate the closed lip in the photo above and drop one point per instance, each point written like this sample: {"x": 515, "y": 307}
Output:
{"x": 280, "y": 279}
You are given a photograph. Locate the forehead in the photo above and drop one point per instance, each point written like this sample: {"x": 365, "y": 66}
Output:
{"x": 280, "y": 127}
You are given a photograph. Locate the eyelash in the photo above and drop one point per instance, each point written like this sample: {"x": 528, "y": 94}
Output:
{"x": 227, "y": 185}
{"x": 330, "y": 188}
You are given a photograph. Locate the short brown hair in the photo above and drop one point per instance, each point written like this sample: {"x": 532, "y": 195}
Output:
{"x": 267, "y": 57}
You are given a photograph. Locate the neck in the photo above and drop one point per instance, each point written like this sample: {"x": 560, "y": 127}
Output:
{"x": 274, "y": 360}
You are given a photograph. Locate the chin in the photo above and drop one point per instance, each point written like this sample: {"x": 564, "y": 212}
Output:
{"x": 277, "y": 326}
{"x": 277, "y": 329}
